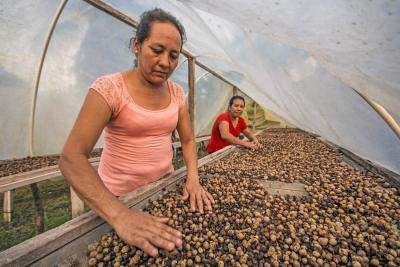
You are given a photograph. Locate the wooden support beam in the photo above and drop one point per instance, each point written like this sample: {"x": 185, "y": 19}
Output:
{"x": 77, "y": 205}
{"x": 191, "y": 78}
{"x": 235, "y": 90}
{"x": 254, "y": 115}
{"x": 393, "y": 178}
{"x": 198, "y": 139}
{"x": 7, "y": 206}
{"x": 22, "y": 179}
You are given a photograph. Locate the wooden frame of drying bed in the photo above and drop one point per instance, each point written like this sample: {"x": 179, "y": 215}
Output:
{"x": 66, "y": 244}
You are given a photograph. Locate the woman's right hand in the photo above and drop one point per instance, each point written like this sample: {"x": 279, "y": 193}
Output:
{"x": 250, "y": 145}
{"x": 147, "y": 232}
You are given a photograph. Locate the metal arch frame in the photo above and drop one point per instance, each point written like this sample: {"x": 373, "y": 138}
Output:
{"x": 381, "y": 112}
{"x": 39, "y": 73}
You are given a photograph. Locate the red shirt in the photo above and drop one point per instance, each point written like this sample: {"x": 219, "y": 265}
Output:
{"x": 216, "y": 141}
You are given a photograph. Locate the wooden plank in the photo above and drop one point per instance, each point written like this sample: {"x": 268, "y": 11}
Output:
{"x": 198, "y": 140}
{"x": 77, "y": 205}
{"x": 53, "y": 172}
{"x": 358, "y": 162}
{"x": 7, "y": 206}
{"x": 234, "y": 90}
{"x": 254, "y": 115}
{"x": 282, "y": 188}
{"x": 191, "y": 96}
{"x": 18, "y": 180}
{"x": 393, "y": 177}
{"x": 69, "y": 241}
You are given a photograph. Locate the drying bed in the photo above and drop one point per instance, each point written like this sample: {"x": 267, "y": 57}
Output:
{"x": 347, "y": 216}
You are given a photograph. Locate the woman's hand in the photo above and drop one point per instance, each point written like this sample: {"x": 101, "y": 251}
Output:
{"x": 197, "y": 195}
{"x": 250, "y": 145}
{"x": 256, "y": 143}
{"x": 147, "y": 232}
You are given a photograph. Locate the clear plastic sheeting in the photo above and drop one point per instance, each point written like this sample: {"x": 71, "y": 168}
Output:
{"x": 211, "y": 98}
{"x": 298, "y": 59}
{"x": 356, "y": 41}
{"x": 23, "y": 30}
{"x": 86, "y": 44}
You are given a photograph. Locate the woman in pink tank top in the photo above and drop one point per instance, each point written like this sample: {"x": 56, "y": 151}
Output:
{"x": 138, "y": 110}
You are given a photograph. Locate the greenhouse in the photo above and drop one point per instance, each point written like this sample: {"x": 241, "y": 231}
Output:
{"x": 321, "y": 83}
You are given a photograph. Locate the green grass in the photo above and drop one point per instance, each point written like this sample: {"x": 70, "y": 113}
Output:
{"x": 56, "y": 203}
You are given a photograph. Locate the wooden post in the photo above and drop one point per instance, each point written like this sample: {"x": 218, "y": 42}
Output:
{"x": 38, "y": 208}
{"x": 234, "y": 90}
{"x": 77, "y": 205}
{"x": 7, "y": 206}
{"x": 191, "y": 78}
{"x": 254, "y": 115}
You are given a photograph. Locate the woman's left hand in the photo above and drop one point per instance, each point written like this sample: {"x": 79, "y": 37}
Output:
{"x": 197, "y": 195}
{"x": 256, "y": 143}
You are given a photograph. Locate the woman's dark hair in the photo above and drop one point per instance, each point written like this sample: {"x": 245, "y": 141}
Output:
{"x": 157, "y": 15}
{"x": 233, "y": 98}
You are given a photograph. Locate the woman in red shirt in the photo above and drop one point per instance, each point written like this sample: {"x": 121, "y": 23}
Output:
{"x": 228, "y": 126}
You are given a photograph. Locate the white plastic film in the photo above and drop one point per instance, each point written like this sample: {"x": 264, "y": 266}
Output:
{"x": 23, "y": 30}
{"x": 86, "y": 44}
{"x": 297, "y": 59}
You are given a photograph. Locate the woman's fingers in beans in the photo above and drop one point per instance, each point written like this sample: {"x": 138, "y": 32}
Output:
{"x": 161, "y": 219}
{"x": 146, "y": 246}
{"x": 207, "y": 201}
{"x": 161, "y": 223}
{"x": 161, "y": 241}
{"x": 164, "y": 232}
{"x": 210, "y": 197}
{"x": 171, "y": 235}
{"x": 192, "y": 202}
{"x": 199, "y": 201}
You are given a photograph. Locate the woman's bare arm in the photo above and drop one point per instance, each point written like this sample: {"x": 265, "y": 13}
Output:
{"x": 193, "y": 190}
{"x": 135, "y": 227}
{"x": 228, "y": 137}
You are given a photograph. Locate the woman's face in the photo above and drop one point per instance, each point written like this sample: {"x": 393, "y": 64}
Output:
{"x": 158, "y": 54}
{"x": 237, "y": 108}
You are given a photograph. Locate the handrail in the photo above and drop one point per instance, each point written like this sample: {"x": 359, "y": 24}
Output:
{"x": 26, "y": 178}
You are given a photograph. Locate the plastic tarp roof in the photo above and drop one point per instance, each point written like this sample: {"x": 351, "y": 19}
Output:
{"x": 299, "y": 59}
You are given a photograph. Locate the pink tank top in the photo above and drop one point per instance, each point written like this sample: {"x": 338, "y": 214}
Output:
{"x": 137, "y": 141}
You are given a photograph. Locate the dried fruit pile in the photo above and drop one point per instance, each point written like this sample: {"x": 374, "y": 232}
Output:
{"x": 14, "y": 166}
{"x": 350, "y": 217}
